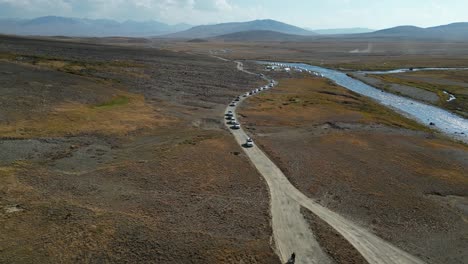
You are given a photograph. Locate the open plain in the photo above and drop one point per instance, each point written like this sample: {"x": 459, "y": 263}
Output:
{"x": 368, "y": 163}
{"x": 114, "y": 154}
{"x": 114, "y": 150}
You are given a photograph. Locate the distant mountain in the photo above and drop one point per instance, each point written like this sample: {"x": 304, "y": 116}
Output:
{"x": 342, "y": 31}
{"x": 454, "y": 31}
{"x": 260, "y": 35}
{"x": 400, "y": 30}
{"x": 209, "y": 31}
{"x": 73, "y": 27}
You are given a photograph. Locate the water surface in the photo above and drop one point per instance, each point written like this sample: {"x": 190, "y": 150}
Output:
{"x": 451, "y": 124}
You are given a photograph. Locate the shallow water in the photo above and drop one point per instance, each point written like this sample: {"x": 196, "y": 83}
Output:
{"x": 445, "y": 121}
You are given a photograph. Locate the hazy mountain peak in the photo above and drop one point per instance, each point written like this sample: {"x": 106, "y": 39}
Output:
{"x": 66, "y": 26}
{"x": 51, "y": 19}
{"x": 207, "y": 31}
{"x": 454, "y": 31}
{"x": 341, "y": 31}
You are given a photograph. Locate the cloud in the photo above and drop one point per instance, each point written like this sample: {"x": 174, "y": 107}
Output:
{"x": 169, "y": 11}
{"x": 38, "y": 5}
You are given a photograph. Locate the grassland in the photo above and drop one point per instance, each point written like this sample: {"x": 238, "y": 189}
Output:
{"x": 117, "y": 154}
{"x": 345, "y": 54}
{"x": 453, "y": 82}
{"x": 77, "y": 67}
{"x": 368, "y": 163}
{"x": 316, "y": 100}
{"x": 119, "y": 116}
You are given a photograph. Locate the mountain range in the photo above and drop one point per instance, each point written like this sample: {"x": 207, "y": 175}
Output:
{"x": 74, "y": 27}
{"x": 207, "y": 31}
{"x": 257, "y": 30}
{"x": 342, "y": 31}
{"x": 450, "y": 32}
{"x": 259, "y": 36}
{"x": 454, "y": 31}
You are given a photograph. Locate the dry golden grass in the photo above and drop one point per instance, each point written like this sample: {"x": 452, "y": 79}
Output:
{"x": 456, "y": 75}
{"x": 436, "y": 82}
{"x": 316, "y": 100}
{"x": 124, "y": 113}
{"x": 127, "y": 68}
{"x": 384, "y": 55}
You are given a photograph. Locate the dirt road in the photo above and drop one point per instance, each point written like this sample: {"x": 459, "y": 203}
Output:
{"x": 290, "y": 230}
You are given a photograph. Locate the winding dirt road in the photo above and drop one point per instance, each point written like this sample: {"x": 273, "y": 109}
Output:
{"x": 291, "y": 232}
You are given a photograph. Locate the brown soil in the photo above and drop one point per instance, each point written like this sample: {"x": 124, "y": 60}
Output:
{"x": 374, "y": 167}
{"x": 113, "y": 154}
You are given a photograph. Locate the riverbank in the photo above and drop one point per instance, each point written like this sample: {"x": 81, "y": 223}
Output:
{"x": 406, "y": 185}
{"x": 448, "y": 123}
{"x": 446, "y": 89}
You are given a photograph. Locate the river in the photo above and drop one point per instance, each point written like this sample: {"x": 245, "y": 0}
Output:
{"x": 442, "y": 120}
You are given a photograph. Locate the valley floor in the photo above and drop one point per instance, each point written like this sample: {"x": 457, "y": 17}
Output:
{"x": 112, "y": 154}
{"x": 369, "y": 164}
{"x": 119, "y": 153}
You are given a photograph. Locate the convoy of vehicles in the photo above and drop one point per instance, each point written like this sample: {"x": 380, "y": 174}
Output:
{"x": 231, "y": 120}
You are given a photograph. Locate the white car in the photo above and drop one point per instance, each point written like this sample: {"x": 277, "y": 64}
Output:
{"x": 229, "y": 113}
{"x": 249, "y": 143}
{"x": 235, "y": 125}
{"x": 232, "y": 104}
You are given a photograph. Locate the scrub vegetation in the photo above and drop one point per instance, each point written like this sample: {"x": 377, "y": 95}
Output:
{"x": 453, "y": 82}
{"x": 316, "y": 99}
{"x": 366, "y": 162}
{"x": 115, "y": 154}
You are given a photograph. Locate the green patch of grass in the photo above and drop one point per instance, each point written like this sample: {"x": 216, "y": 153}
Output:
{"x": 460, "y": 105}
{"x": 302, "y": 101}
{"x": 82, "y": 68}
{"x": 117, "y": 101}
{"x": 7, "y": 56}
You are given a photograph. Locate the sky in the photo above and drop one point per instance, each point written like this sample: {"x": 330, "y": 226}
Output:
{"x": 313, "y": 14}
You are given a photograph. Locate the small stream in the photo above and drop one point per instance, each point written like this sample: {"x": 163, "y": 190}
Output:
{"x": 442, "y": 120}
